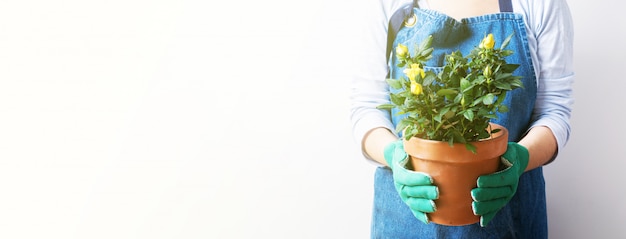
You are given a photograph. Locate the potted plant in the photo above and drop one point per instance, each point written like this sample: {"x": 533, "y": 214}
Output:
{"x": 446, "y": 127}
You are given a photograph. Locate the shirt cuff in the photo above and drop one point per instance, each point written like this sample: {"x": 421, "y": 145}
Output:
{"x": 367, "y": 123}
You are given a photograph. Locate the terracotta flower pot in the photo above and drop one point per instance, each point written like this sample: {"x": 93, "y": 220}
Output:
{"x": 455, "y": 171}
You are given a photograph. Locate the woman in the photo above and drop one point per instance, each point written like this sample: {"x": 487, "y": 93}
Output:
{"x": 538, "y": 118}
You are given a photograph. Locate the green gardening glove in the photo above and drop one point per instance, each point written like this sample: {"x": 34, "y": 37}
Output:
{"x": 496, "y": 190}
{"x": 416, "y": 189}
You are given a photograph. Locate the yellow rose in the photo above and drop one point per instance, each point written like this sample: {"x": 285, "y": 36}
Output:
{"x": 488, "y": 42}
{"x": 416, "y": 88}
{"x": 413, "y": 71}
{"x": 401, "y": 51}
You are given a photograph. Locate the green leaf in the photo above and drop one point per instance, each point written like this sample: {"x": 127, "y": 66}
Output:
{"x": 480, "y": 80}
{"x": 444, "y": 111}
{"x": 465, "y": 84}
{"x": 483, "y": 111}
{"x": 429, "y": 79}
{"x": 477, "y": 101}
{"x": 426, "y": 43}
{"x": 501, "y": 98}
{"x": 509, "y": 67}
{"x": 437, "y": 118}
{"x": 469, "y": 115}
{"x": 507, "y": 52}
{"x": 410, "y": 132}
{"x": 503, "y": 75}
{"x": 470, "y": 147}
{"x": 402, "y": 124}
{"x": 502, "y": 85}
{"x": 506, "y": 41}
{"x": 427, "y": 52}
{"x": 385, "y": 106}
{"x": 445, "y": 92}
{"x": 503, "y": 109}
{"x": 517, "y": 83}
{"x": 451, "y": 113}
{"x": 457, "y": 98}
{"x": 396, "y": 99}
{"x": 491, "y": 116}
{"x": 458, "y": 137}
{"x": 393, "y": 83}
{"x": 489, "y": 99}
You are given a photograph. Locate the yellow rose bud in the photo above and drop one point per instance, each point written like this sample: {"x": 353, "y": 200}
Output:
{"x": 488, "y": 42}
{"x": 401, "y": 51}
{"x": 416, "y": 88}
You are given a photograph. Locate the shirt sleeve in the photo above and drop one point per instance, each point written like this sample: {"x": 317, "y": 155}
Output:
{"x": 551, "y": 35}
{"x": 368, "y": 88}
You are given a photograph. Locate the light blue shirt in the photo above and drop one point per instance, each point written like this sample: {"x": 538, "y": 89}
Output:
{"x": 550, "y": 40}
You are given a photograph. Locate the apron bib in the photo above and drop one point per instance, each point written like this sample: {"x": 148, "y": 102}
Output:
{"x": 525, "y": 215}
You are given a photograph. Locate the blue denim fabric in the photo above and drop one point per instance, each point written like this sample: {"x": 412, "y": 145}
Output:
{"x": 525, "y": 215}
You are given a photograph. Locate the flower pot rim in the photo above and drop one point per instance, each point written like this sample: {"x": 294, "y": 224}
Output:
{"x": 428, "y": 149}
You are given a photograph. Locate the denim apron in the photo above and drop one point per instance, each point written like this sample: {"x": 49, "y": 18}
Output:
{"x": 525, "y": 215}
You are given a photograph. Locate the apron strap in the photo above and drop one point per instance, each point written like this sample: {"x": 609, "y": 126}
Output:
{"x": 395, "y": 23}
{"x": 506, "y": 6}
{"x": 398, "y": 18}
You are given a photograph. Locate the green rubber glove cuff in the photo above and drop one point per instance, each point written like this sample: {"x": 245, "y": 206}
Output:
{"x": 394, "y": 153}
{"x": 519, "y": 153}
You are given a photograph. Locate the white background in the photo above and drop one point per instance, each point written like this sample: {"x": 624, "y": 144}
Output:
{"x": 187, "y": 119}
